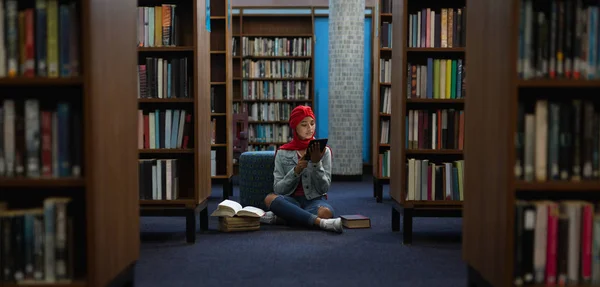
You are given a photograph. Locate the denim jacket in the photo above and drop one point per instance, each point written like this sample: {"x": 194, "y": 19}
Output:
{"x": 316, "y": 177}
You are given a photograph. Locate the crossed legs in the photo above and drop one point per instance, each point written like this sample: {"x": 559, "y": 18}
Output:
{"x": 315, "y": 212}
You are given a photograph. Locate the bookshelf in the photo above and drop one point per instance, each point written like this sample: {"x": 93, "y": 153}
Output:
{"x": 381, "y": 108}
{"x": 263, "y": 102}
{"x": 541, "y": 193}
{"x": 173, "y": 98}
{"x": 221, "y": 91}
{"x": 428, "y": 98}
{"x": 62, "y": 179}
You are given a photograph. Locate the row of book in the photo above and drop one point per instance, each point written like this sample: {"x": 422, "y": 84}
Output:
{"x": 282, "y": 47}
{"x": 386, "y": 35}
{"x": 556, "y": 243}
{"x": 558, "y": 39}
{"x": 384, "y": 137}
{"x": 40, "y": 140}
{"x": 165, "y": 128}
{"x": 427, "y": 180}
{"x": 385, "y": 71}
{"x": 383, "y": 166}
{"x": 40, "y": 41}
{"x": 439, "y": 79}
{"x": 435, "y": 129}
{"x": 445, "y": 28}
{"x": 385, "y": 100}
{"x": 158, "y": 179}
{"x": 275, "y": 90}
{"x": 164, "y": 78}
{"x": 213, "y": 130}
{"x": 267, "y": 112}
{"x": 269, "y": 133}
{"x": 558, "y": 141}
{"x": 37, "y": 243}
{"x": 275, "y": 69}
{"x": 158, "y": 26}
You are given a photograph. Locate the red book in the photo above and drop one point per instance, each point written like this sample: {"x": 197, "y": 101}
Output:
{"x": 29, "y": 70}
{"x": 551, "y": 244}
{"x": 429, "y": 182}
{"x": 586, "y": 242}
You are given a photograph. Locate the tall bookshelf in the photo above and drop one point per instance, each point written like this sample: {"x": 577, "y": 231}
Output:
{"x": 382, "y": 108}
{"x": 533, "y": 179}
{"x": 221, "y": 91}
{"x": 173, "y": 111}
{"x": 293, "y": 30}
{"x": 428, "y": 99}
{"x": 67, "y": 144}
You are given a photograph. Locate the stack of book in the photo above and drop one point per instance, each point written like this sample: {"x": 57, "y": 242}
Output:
{"x": 233, "y": 217}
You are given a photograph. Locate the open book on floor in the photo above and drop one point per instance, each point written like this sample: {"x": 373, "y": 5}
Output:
{"x": 230, "y": 208}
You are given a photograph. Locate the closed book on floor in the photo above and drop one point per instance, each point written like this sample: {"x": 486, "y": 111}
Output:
{"x": 355, "y": 221}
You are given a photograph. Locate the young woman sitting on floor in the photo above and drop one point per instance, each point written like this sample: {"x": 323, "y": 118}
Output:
{"x": 300, "y": 185}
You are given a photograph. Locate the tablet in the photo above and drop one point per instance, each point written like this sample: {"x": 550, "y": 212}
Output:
{"x": 323, "y": 145}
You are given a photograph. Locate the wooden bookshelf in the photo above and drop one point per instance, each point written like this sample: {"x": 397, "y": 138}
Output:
{"x": 221, "y": 70}
{"x": 428, "y": 99}
{"x": 270, "y": 23}
{"x": 522, "y": 168}
{"x": 381, "y": 108}
{"x": 68, "y": 145}
{"x": 173, "y": 111}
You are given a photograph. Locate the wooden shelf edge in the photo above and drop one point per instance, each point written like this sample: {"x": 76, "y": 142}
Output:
{"x": 435, "y": 101}
{"x": 433, "y": 204}
{"x": 278, "y": 57}
{"x": 42, "y": 182}
{"x": 171, "y": 100}
{"x": 273, "y": 101}
{"x": 174, "y": 202}
{"x": 458, "y": 49}
{"x": 266, "y": 35}
{"x": 166, "y": 49}
{"x": 221, "y": 176}
{"x": 558, "y": 186}
{"x": 41, "y": 81}
{"x": 433, "y": 151}
{"x": 74, "y": 283}
{"x": 166, "y": 150}
{"x": 557, "y": 83}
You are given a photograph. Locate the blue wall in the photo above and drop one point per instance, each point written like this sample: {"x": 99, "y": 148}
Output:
{"x": 321, "y": 79}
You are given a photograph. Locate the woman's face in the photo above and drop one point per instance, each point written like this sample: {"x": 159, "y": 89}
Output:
{"x": 306, "y": 128}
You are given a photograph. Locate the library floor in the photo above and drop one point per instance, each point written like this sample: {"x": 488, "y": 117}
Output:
{"x": 279, "y": 256}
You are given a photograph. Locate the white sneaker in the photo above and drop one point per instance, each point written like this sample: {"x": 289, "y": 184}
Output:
{"x": 268, "y": 218}
{"x": 332, "y": 224}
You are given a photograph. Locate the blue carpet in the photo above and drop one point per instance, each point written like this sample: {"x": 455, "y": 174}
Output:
{"x": 280, "y": 256}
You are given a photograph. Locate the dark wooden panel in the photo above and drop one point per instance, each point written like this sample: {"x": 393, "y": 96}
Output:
{"x": 398, "y": 83}
{"x": 202, "y": 91}
{"x": 489, "y": 118}
{"x": 111, "y": 137}
{"x": 229, "y": 93}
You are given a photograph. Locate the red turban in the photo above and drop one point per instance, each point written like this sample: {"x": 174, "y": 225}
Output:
{"x": 298, "y": 114}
